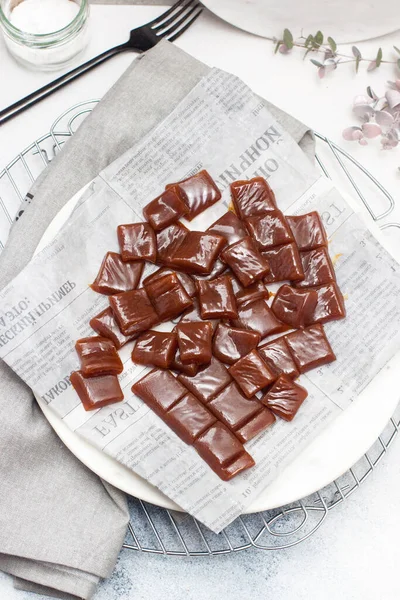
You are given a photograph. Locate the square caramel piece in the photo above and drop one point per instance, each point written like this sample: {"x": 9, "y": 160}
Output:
{"x": 155, "y": 348}
{"x": 116, "y": 276}
{"x": 98, "y": 356}
{"x": 231, "y": 343}
{"x": 168, "y": 240}
{"x": 308, "y": 231}
{"x": 185, "y": 279}
{"x": 218, "y": 269}
{"x": 294, "y": 306}
{"x": 133, "y": 312}
{"x": 285, "y": 397}
{"x": 198, "y": 192}
{"x": 216, "y": 298}
{"x": 284, "y": 263}
{"x": 318, "y": 268}
{"x": 330, "y": 304}
{"x": 198, "y": 252}
{"x": 105, "y": 325}
{"x": 278, "y": 357}
{"x": 269, "y": 230}
{"x": 164, "y": 210}
{"x": 246, "y": 262}
{"x": 233, "y": 408}
{"x": 310, "y": 348}
{"x": 255, "y": 291}
{"x": 251, "y": 373}
{"x": 186, "y": 369}
{"x": 230, "y": 227}
{"x": 261, "y": 421}
{"x": 258, "y": 316}
{"x": 95, "y": 392}
{"x": 189, "y": 418}
{"x": 168, "y": 296}
{"x": 137, "y": 241}
{"x": 252, "y": 197}
{"x": 208, "y": 382}
{"x": 218, "y": 446}
{"x": 195, "y": 341}
{"x": 159, "y": 389}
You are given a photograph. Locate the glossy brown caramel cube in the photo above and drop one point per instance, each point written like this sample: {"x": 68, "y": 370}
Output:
{"x": 285, "y": 397}
{"x": 318, "y": 268}
{"x": 256, "y": 425}
{"x": 294, "y": 306}
{"x": 246, "y": 261}
{"x": 208, "y": 382}
{"x": 189, "y": 418}
{"x": 231, "y": 343}
{"x": 252, "y": 197}
{"x": 178, "y": 366}
{"x": 310, "y": 348}
{"x": 216, "y": 298}
{"x": 240, "y": 464}
{"x": 308, "y": 231}
{"x": 98, "y": 356}
{"x": 95, "y": 392}
{"x": 256, "y": 291}
{"x": 198, "y": 252}
{"x": 117, "y": 276}
{"x": 284, "y": 263}
{"x": 278, "y": 357}
{"x": 133, "y": 312}
{"x": 159, "y": 389}
{"x": 251, "y": 373}
{"x": 330, "y": 304}
{"x": 198, "y": 192}
{"x": 230, "y": 227}
{"x": 155, "y": 348}
{"x": 168, "y": 296}
{"x": 269, "y": 230}
{"x": 168, "y": 240}
{"x": 184, "y": 278}
{"x": 233, "y": 408}
{"x": 106, "y": 326}
{"x": 194, "y": 341}
{"x": 218, "y": 446}
{"x": 137, "y": 241}
{"x": 164, "y": 210}
{"x": 257, "y": 316}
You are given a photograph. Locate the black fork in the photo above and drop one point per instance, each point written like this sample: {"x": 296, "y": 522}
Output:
{"x": 170, "y": 25}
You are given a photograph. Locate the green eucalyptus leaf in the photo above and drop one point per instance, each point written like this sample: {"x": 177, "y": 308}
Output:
{"x": 356, "y": 52}
{"x": 332, "y": 44}
{"x": 397, "y": 49}
{"x": 288, "y": 39}
{"x": 358, "y": 60}
{"x": 319, "y": 38}
{"x": 398, "y": 63}
{"x": 309, "y": 41}
{"x": 316, "y": 62}
{"x": 378, "y": 59}
{"x": 277, "y": 46}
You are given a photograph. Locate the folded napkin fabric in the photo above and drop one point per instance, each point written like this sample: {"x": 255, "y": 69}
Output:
{"x": 61, "y": 527}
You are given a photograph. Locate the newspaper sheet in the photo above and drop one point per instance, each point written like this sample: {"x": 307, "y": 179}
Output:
{"x": 223, "y": 127}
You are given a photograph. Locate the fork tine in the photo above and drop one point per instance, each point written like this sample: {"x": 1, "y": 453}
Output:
{"x": 167, "y": 12}
{"x": 183, "y": 29}
{"x": 176, "y": 26}
{"x": 175, "y": 16}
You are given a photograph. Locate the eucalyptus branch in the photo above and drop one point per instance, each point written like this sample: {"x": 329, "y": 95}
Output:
{"x": 331, "y": 58}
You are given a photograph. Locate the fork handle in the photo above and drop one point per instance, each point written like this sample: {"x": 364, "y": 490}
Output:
{"x": 43, "y": 92}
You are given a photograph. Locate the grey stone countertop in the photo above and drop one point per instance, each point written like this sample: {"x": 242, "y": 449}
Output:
{"x": 354, "y": 555}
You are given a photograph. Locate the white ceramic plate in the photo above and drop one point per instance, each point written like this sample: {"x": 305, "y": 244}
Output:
{"x": 346, "y": 21}
{"x": 331, "y": 454}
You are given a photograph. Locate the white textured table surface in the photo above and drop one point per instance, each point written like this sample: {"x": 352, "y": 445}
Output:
{"x": 355, "y": 554}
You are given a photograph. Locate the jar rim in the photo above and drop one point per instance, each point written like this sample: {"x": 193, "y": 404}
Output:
{"x": 42, "y": 36}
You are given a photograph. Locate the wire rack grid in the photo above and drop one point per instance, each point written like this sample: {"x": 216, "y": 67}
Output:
{"x": 159, "y": 531}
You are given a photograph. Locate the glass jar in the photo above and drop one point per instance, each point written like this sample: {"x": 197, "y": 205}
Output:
{"x": 45, "y": 51}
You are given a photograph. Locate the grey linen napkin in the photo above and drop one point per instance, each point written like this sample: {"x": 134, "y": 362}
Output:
{"x": 61, "y": 527}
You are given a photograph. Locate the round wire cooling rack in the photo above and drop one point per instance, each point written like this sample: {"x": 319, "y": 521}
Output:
{"x": 159, "y": 531}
